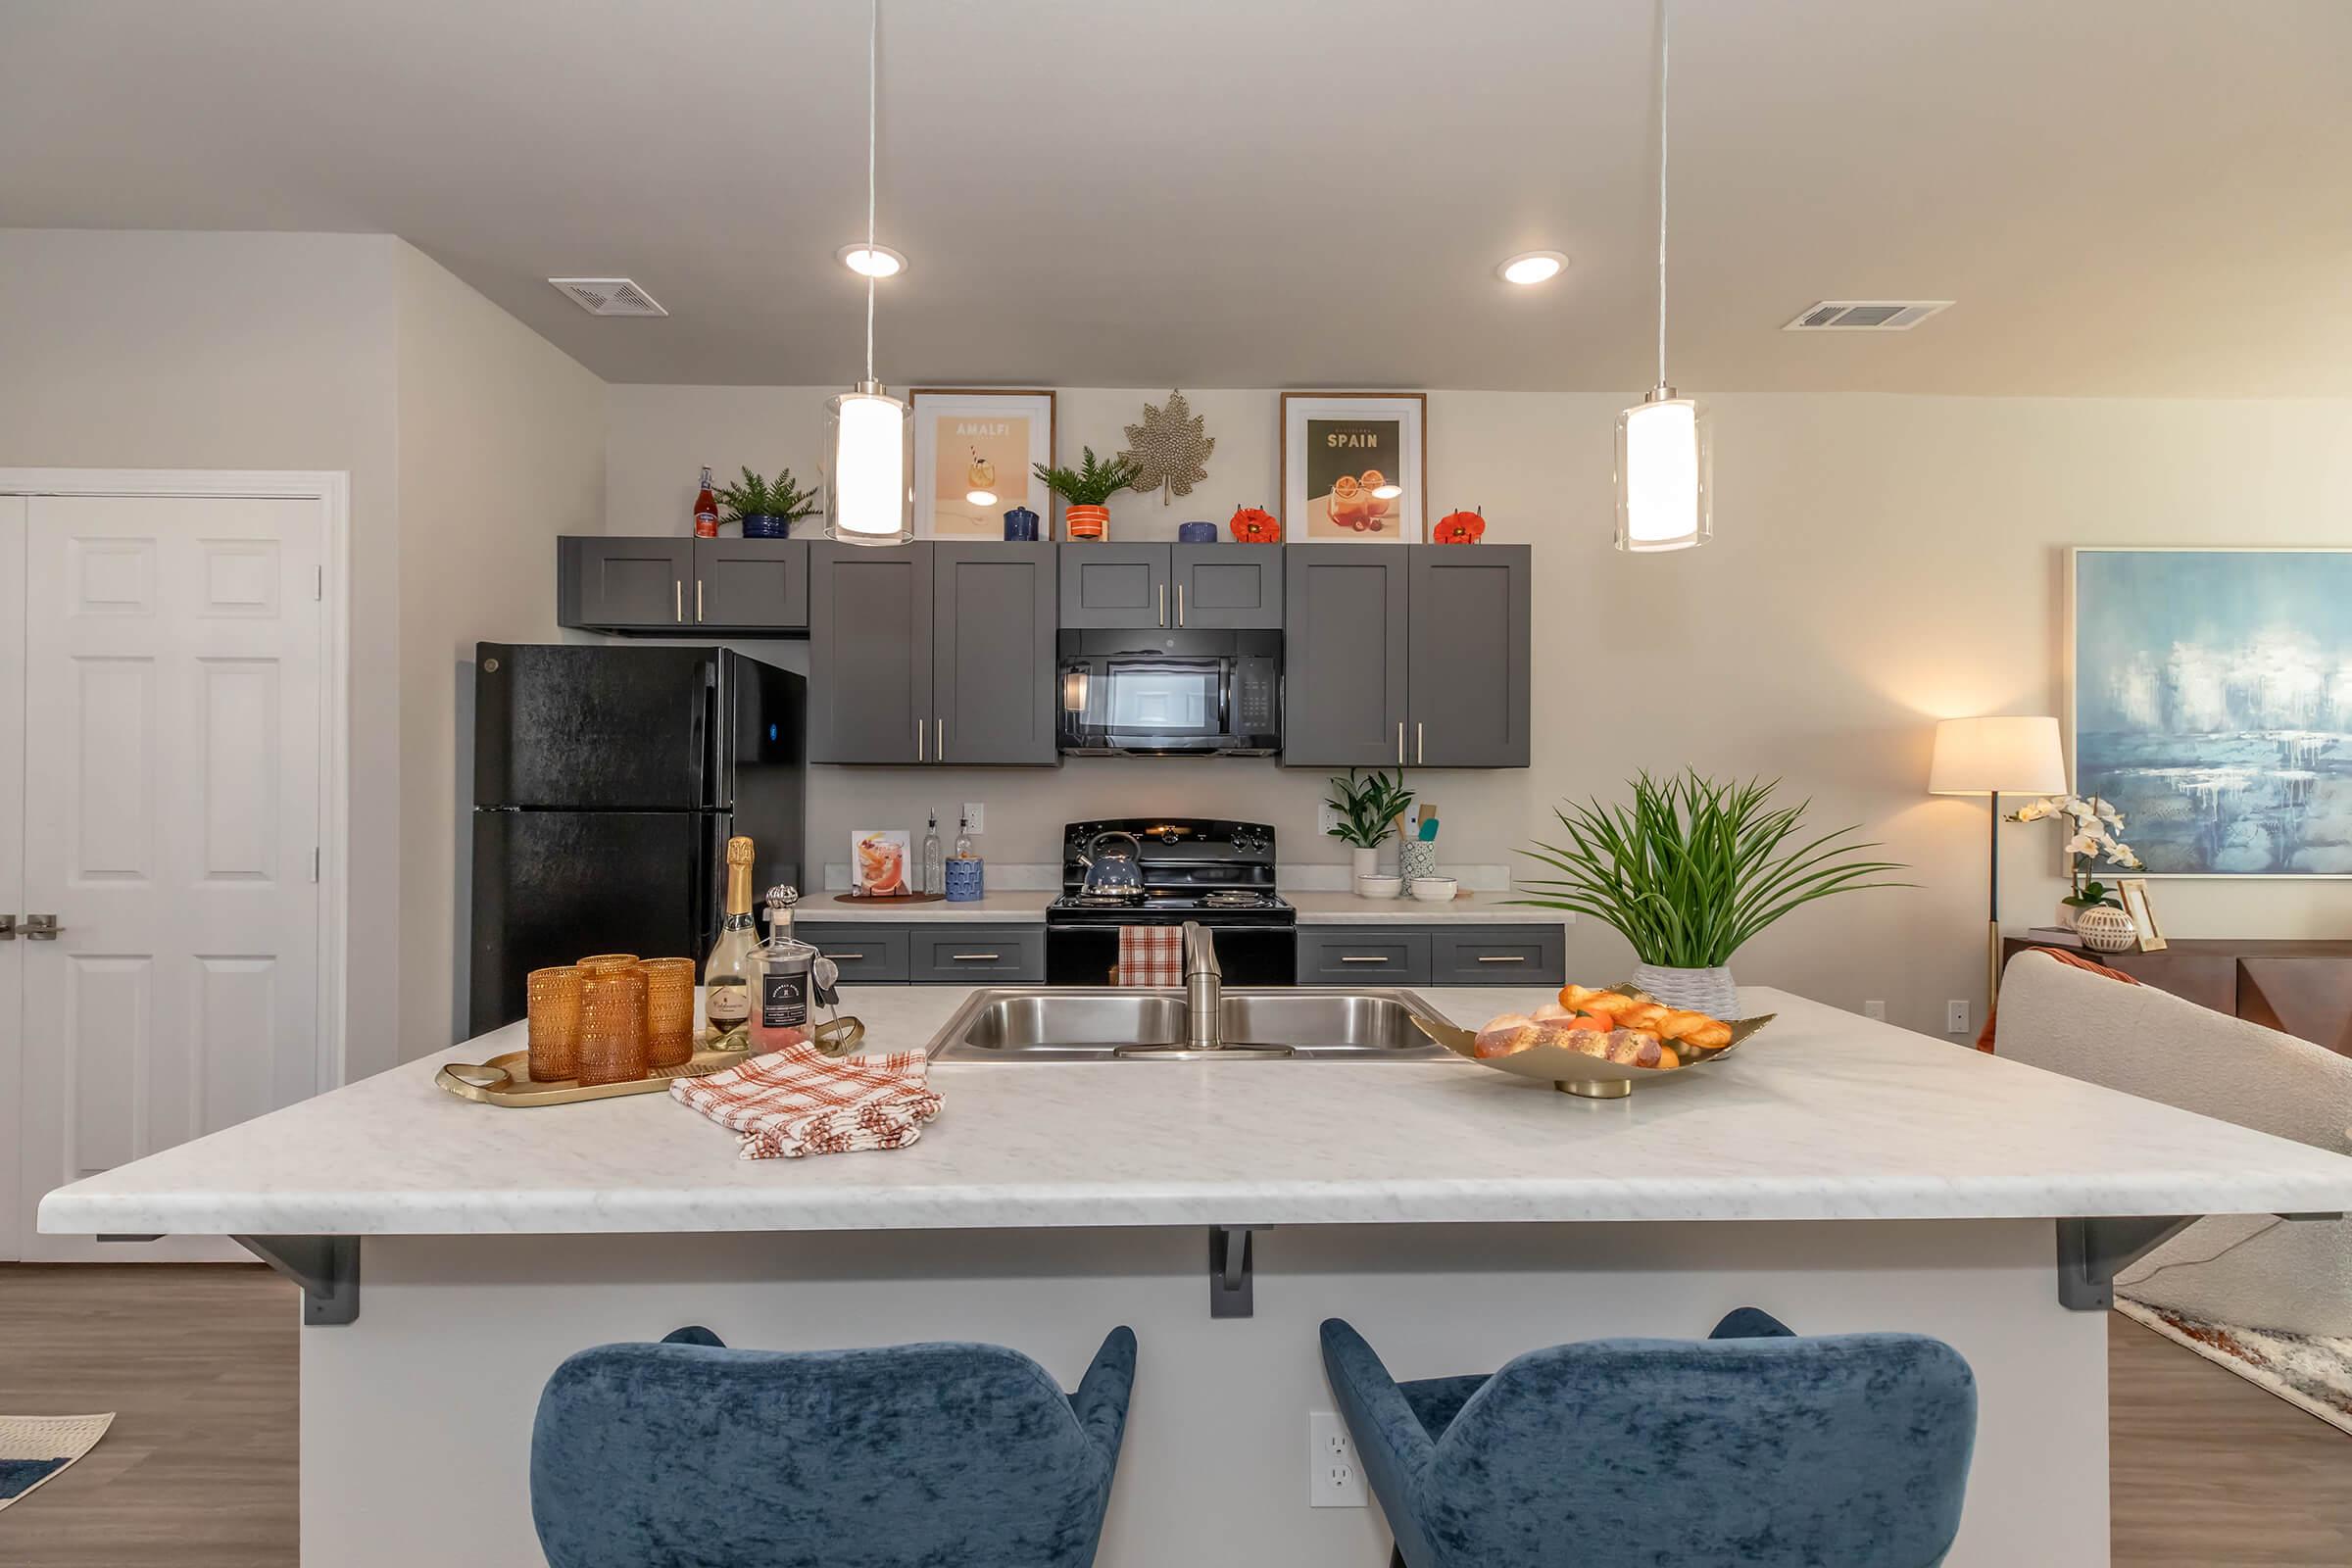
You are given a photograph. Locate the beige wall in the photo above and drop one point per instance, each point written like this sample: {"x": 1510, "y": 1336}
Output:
{"x": 152, "y": 350}
{"x": 502, "y": 441}
{"x": 1880, "y": 562}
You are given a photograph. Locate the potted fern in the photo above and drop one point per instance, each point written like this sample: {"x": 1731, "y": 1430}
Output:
{"x": 1368, "y": 810}
{"x": 767, "y": 510}
{"x": 1690, "y": 872}
{"x": 1085, "y": 489}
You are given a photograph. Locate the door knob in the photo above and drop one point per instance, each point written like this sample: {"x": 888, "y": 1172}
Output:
{"x": 42, "y": 928}
{"x": 8, "y": 928}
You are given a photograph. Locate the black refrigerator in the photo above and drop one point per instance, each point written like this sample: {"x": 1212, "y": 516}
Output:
{"x": 607, "y": 781}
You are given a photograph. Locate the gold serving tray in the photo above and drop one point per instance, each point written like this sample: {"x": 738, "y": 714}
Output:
{"x": 1571, "y": 1073}
{"x": 506, "y": 1080}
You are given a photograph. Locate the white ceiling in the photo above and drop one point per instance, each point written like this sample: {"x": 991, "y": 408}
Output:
{"x": 2123, "y": 196}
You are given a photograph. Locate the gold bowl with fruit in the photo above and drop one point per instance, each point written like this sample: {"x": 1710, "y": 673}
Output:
{"x": 1597, "y": 1043}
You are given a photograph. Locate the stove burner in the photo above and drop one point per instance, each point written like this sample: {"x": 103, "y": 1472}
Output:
{"x": 1101, "y": 901}
{"x": 1233, "y": 899}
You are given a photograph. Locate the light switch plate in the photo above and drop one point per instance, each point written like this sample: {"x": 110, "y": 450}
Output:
{"x": 975, "y": 817}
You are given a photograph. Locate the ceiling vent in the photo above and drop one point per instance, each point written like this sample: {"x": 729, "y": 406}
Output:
{"x": 607, "y": 296}
{"x": 1865, "y": 315}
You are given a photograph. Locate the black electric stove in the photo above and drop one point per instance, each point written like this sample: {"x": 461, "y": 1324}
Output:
{"x": 1217, "y": 872}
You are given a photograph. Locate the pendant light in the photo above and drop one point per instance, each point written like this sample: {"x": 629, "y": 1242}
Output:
{"x": 865, "y": 467}
{"x": 1665, "y": 443}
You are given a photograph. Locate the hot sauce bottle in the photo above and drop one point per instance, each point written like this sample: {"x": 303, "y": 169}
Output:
{"x": 706, "y": 511}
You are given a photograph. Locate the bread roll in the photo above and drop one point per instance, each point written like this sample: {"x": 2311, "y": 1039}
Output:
{"x": 1562, "y": 1032}
{"x": 1642, "y": 1014}
{"x": 1714, "y": 1037}
{"x": 1505, "y": 1036}
{"x": 1550, "y": 1010}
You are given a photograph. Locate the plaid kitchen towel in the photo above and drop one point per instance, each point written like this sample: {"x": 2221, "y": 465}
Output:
{"x": 1152, "y": 955}
{"x": 798, "y": 1101}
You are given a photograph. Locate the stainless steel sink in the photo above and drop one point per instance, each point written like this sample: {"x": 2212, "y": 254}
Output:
{"x": 1080, "y": 1023}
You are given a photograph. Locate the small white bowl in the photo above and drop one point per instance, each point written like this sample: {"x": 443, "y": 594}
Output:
{"x": 1379, "y": 886}
{"x": 1433, "y": 888}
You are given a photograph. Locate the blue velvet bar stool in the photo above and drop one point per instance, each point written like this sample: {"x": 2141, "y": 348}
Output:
{"x": 687, "y": 1453}
{"x": 1754, "y": 1447}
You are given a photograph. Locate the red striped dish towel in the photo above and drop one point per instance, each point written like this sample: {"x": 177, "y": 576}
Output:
{"x": 798, "y": 1101}
{"x": 1152, "y": 955}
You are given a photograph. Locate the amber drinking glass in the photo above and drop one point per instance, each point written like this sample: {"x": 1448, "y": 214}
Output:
{"x": 668, "y": 1011}
{"x": 554, "y": 997}
{"x": 604, "y": 963}
{"x": 612, "y": 1026}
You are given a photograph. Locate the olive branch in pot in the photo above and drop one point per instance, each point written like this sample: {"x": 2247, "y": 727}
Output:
{"x": 1693, "y": 868}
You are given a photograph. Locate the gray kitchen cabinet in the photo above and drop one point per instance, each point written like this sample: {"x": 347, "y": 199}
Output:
{"x": 952, "y": 953}
{"x": 1343, "y": 656}
{"x": 991, "y": 678}
{"x": 869, "y": 653}
{"x": 867, "y": 953}
{"x": 751, "y": 585}
{"x": 1471, "y": 646}
{"x": 1361, "y": 955}
{"x": 1237, "y": 587}
{"x": 1499, "y": 955}
{"x": 615, "y": 583}
{"x": 1116, "y": 587}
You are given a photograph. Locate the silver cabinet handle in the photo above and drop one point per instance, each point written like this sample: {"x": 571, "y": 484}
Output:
{"x": 976, "y": 957}
{"x": 698, "y": 600}
{"x": 1363, "y": 957}
{"x": 921, "y": 734}
{"x": 939, "y": 747}
{"x": 1163, "y": 591}
{"x": 677, "y": 598}
{"x": 42, "y": 928}
{"x": 1502, "y": 958}
{"x": 1401, "y": 743}
{"x": 8, "y": 928}
{"x": 1417, "y": 746}
{"x": 844, "y": 957}
{"x": 1180, "y": 604}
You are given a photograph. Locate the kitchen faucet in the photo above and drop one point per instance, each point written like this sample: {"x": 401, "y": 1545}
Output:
{"x": 1203, "y": 988}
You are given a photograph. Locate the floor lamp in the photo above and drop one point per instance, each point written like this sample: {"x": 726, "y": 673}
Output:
{"x": 1996, "y": 757}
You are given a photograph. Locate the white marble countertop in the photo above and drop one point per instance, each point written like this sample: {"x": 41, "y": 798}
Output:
{"x": 1014, "y": 907}
{"x": 1826, "y": 1115}
{"x": 1478, "y": 909}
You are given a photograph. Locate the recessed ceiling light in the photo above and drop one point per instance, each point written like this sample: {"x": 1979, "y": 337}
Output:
{"x": 1533, "y": 266}
{"x": 879, "y": 262}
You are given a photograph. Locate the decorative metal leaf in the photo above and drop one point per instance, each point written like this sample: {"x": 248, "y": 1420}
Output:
{"x": 1168, "y": 448}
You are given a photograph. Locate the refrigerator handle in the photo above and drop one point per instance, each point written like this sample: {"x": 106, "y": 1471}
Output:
{"x": 703, "y": 737}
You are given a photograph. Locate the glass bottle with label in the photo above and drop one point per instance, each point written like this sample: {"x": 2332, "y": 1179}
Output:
{"x": 727, "y": 973}
{"x": 783, "y": 980}
{"x": 935, "y": 864}
{"x": 706, "y": 509}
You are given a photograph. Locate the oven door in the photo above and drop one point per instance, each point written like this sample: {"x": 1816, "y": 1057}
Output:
{"x": 1146, "y": 703}
{"x": 1248, "y": 954}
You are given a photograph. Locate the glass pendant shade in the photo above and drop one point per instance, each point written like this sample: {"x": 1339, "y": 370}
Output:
{"x": 865, "y": 449}
{"x": 1665, "y": 474}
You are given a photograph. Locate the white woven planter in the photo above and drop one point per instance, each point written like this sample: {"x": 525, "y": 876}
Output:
{"x": 1707, "y": 991}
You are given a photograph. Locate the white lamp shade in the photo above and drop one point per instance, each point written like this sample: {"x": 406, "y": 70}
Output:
{"x": 2002, "y": 756}
{"x": 865, "y": 467}
{"x": 1665, "y": 480}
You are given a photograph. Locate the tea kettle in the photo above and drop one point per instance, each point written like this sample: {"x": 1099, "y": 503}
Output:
{"x": 1113, "y": 872}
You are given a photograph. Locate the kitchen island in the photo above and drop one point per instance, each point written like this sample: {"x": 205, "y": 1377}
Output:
{"x": 1839, "y": 1173}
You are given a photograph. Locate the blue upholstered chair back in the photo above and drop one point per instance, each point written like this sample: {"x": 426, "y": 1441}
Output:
{"x": 688, "y": 1455}
{"x": 1849, "y": 1450}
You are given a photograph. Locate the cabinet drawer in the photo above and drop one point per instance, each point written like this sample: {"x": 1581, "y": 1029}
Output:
{"x": 1497, "y": 955}
{"x": 1357, "y": 954}
{"x": 955, "y": 953}
{"x": 868, "y": 954}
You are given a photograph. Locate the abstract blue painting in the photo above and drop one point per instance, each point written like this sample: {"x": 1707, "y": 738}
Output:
{"x": 2213, "y": 706}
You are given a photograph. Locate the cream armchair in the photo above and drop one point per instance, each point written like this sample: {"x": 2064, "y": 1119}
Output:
{"x": 2251, "y": 1270}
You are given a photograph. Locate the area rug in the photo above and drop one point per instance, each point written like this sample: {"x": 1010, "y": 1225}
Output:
{"x": 36, "y": 1447}
{"x": 2311, "y": 1371}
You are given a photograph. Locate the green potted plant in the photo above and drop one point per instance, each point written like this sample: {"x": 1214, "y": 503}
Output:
{"x": 1085, "y": 489}
{"x": 1368, "y": 810}
{"x": 1690, "y": 872}
{"x": 767, "y": 510}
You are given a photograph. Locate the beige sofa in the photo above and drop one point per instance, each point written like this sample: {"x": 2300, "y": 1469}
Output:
{"x": 2252, "y": 1270}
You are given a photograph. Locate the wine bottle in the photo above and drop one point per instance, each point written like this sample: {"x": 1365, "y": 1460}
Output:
{"x": 727, "y": 973}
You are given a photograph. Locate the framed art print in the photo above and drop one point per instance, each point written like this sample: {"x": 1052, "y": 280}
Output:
{"x": 2212, "y": 704}
{"x": 975, "y": 453}
{"x": 1353, "y": 466}
{"x": 2135, "y": 890}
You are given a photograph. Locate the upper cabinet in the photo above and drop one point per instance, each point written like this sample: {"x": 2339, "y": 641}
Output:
{"x": 671, "y": 584}
{"x": 1145, "y": 587}
{"x": 928, "y": 653}
{"x": 1406, "y": 656}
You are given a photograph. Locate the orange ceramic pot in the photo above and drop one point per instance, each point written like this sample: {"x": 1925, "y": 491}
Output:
{"x": 1086, "y": 523}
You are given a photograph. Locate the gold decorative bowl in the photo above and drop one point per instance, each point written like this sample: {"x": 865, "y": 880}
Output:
{"x": 1571, "y": 1073}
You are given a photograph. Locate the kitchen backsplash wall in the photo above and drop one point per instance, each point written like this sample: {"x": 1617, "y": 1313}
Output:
{"x": 1880, "y": 562}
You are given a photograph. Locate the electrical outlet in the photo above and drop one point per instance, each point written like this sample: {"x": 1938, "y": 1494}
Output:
{"x": 1955, "y": 1017}
{"x": 1333, "y": 1480}
{"x": 1875, "y": 1009}
{"x": 975, "y": 817}
{"x": 1327, "y": 820}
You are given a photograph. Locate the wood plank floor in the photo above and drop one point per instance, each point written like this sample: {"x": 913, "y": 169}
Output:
{"x": 2208, "y": 1470}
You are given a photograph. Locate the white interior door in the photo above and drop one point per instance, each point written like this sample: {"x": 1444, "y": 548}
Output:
{"x": 171, "y": 668}
{"x": 15, "y": 1213}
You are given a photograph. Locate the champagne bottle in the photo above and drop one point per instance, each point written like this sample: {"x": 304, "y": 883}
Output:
{"x": 728, "y": 973}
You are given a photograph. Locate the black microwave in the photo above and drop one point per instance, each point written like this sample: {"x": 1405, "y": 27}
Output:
{"x": 1170, "y": 693}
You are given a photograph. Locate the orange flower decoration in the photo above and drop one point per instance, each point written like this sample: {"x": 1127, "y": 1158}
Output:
{"x": 1460, "y": 528}
{"x": 1255, "y": 525}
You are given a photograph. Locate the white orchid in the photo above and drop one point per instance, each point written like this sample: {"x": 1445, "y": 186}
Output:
{"x": 2084, "y": 844}
{"x": 2092, "y": 836}
{"x": 2031, "y": 812}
